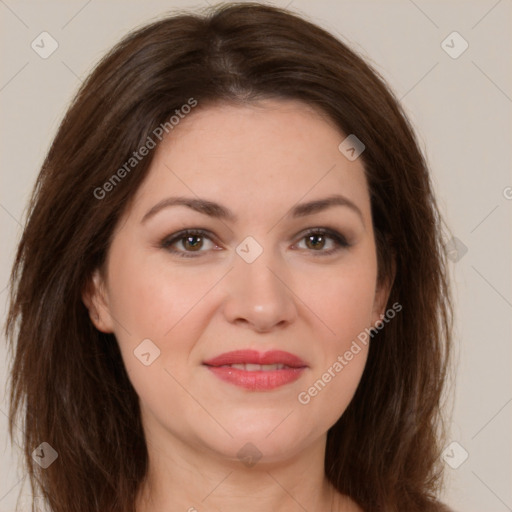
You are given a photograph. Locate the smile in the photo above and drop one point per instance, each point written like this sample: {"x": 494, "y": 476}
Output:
{"x": 257, "y": 371}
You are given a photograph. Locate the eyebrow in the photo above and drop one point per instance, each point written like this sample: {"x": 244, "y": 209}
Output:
{"x": 218, "y": 211}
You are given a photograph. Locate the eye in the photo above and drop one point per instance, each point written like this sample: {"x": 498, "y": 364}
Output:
{"x": 190, "y": 243}
{"x": 316, "y": 239}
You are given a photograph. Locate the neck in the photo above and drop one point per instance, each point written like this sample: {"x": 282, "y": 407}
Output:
{"x": 191, "y": 480}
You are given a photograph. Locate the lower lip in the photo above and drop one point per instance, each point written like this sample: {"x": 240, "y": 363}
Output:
{"x": 257, "y": 380}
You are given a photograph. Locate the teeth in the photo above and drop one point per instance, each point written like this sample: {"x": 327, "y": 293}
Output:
{"x": 267, "y": 367}
{"x": 256, "y": 367}
{"x": 253, "y": 367}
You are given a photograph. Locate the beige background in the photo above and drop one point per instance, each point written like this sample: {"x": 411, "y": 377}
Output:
{"x": 461, "y": 109}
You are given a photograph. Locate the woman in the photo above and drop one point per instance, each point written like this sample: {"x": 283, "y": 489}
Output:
{"x": 231, "y": 291}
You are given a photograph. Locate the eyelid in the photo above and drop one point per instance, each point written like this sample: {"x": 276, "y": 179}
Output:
{"x": 339, "y": 239}
{"x": 169, "y": 240}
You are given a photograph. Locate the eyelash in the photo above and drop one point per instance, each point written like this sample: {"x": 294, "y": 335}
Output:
{"x": 166, "y": 243}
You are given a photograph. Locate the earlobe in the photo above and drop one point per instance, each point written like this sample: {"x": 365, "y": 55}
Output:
{"x": 379, "y": 305}
{"x": 94, "y": 299}
{"x": 382, "y": 294}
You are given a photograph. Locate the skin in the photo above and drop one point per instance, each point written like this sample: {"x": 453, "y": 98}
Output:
{"x": 259, "y": 161}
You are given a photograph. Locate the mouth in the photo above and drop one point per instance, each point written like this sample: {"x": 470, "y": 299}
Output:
{"x": 250, "y": 367}
{"x": 257, "y": 371}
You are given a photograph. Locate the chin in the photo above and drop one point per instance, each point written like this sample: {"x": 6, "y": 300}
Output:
{"x": 255, "y": 445}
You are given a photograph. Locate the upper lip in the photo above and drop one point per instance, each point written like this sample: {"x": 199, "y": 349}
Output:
{"x": 255, "y": 357}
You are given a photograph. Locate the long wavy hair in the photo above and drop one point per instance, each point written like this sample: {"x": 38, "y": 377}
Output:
{"x": 69, "y": 386}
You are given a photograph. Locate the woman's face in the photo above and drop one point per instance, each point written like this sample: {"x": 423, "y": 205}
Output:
{"x": 255, "y": 280}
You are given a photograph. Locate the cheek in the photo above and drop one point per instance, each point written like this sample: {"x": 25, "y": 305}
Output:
{"x": 342, "y": 298}
{"x": 150, "y": 298}
{"x": 345, "y": 307}
{"x": 329, "y": 392}
{"x": 148, "y": 303}
{"x": 343, "y": 301}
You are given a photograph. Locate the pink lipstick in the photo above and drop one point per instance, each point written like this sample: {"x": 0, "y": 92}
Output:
{"x": 255, "y": 370}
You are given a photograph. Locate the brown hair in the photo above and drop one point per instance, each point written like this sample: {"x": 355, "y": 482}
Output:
{"x": 384, "y": 450}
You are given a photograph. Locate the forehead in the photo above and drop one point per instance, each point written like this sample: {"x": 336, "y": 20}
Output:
{"x": 254, "y": 156}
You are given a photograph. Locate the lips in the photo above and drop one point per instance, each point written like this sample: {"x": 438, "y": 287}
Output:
{"x": 255, "y": 370}
{"x": 253, "y": 357}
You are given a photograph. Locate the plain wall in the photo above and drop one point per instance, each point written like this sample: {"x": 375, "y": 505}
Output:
{"x": 461, "y": 108}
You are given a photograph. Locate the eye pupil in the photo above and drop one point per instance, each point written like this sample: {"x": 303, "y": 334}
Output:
{"x": 192, "y": 245}
{"x": 319, "y": 238}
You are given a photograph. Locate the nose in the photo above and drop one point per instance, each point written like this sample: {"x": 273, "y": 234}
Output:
{"x": 258, "y": 295}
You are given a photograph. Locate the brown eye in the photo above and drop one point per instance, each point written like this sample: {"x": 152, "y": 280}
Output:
{"x": 193, "y": 242}
{"x": 324, "y": 241}
{"x": 188, "y": 243}
{"x": 315, "y": 241}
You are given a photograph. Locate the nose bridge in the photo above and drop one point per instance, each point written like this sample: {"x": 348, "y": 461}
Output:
{"x": 258, "y": 293}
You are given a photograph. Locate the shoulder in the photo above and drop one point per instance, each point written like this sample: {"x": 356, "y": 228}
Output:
{"x": 346, "y": 504}
{"x": 441, "y": 507}
{"x": 438, "y": 506}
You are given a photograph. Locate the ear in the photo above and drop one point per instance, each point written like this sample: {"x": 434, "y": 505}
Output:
{"x": 95, "y": 299}
{"x": 382, "y": 293}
